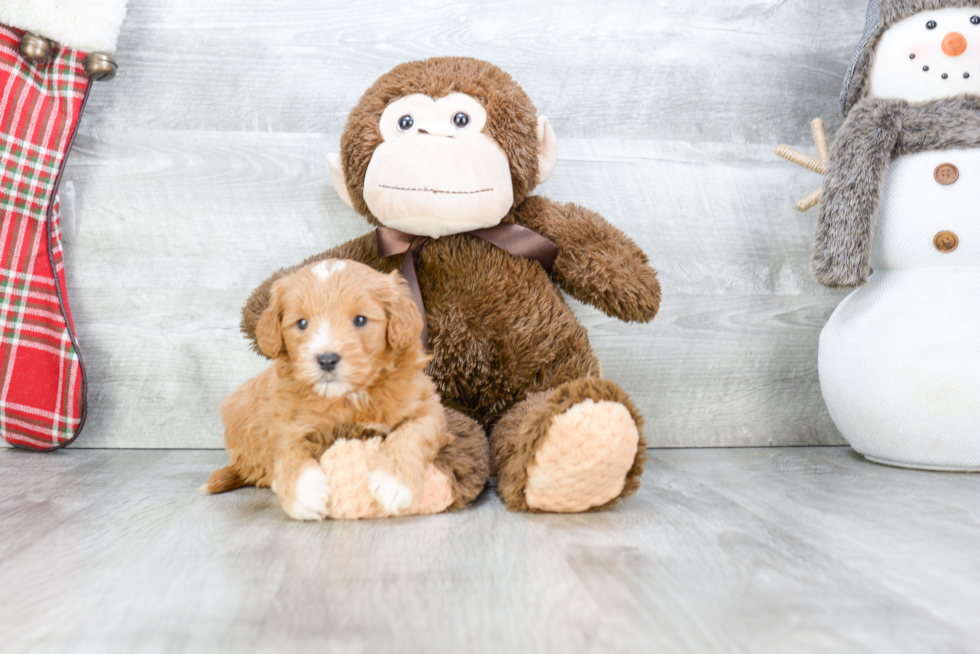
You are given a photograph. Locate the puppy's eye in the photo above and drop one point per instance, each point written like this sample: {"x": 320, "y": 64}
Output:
{"x": 461, "y": 120}
{"x": 931, "y": 25}
{"x": 302, "y": 324}
{"x": 405, "y": 123}
{"x": 360, "y": 321}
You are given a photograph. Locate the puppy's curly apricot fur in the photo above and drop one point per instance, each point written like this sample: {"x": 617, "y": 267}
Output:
{"x": 347, "y": 360}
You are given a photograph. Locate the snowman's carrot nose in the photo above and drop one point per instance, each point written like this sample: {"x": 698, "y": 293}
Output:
{"x": 954, "y": 44}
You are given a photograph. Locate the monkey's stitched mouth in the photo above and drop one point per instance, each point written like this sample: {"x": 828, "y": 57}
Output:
{"x": 432, "y": 190}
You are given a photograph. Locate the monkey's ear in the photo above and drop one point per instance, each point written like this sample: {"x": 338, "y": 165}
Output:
{"x": 547, "y": 150}
{"x": 339, "y": 182}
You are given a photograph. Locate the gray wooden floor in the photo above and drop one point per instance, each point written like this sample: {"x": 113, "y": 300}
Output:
{"x": 754, "y": 550}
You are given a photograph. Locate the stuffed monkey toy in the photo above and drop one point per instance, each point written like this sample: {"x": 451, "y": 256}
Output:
{"x": 441, "y": 156}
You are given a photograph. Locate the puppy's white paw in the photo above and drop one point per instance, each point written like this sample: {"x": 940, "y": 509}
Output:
{"x": 392, "y": 495}
{"x": 312, "y": 494}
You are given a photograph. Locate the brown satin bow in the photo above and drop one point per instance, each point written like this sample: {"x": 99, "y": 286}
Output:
{"x": 515, "y": 239}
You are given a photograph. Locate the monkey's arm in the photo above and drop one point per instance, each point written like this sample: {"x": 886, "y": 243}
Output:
{"x": 363, "y": 249}
{"x": 597, "y": 264}
{"x": 852, "y": 192}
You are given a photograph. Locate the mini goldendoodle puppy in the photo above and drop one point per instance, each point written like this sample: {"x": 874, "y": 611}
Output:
{"x": 345, "y": 340}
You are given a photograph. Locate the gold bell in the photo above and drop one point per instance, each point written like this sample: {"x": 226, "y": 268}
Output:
{"x": 99, "y": 65}
{"x": 35, "y": 48}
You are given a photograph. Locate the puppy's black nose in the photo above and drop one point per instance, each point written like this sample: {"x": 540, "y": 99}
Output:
{"x": 328, "y": 361}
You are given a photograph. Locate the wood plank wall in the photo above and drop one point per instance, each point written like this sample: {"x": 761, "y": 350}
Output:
{"x": 203, "y": 167}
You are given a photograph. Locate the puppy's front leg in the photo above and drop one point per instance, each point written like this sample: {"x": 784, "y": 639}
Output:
{"x": 298, "y": 481}
{"x": 397, "y": 476}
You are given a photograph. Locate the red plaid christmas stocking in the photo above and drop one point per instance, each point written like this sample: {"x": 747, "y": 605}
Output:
{"x": 42, "y": 381}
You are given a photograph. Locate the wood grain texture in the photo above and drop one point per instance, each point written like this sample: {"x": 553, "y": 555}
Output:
{"x": 742, "y": 551}
{"x": 202, "y": 168}
{"x": 711, "y": 71}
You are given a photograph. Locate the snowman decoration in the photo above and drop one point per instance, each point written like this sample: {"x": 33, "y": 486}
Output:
{"x": 899, "y": 359}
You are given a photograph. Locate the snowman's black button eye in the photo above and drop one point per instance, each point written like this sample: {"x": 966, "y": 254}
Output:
{"x": 405, "y": 123}
{"x": 945, "y": 76}
{"x": 975, "y": 20}
{"x": 966, "y": 75}
{"x": 931, "y": 25}
{"x": 911, "y": 56}
{"x": 925, "y": 68}
{"x": 461, "y": 120}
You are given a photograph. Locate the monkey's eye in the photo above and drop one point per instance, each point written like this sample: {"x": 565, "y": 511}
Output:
{"x": 405, "y": 123}
{"x": 360, "y": 321}
{"x": 302, "y": 324}
{"x": 931, "y": 25}
{"x": 975, "y": 20}
{"x": 461, "y": 120}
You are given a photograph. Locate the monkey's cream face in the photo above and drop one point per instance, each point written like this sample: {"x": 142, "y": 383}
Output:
{"x": 437, "y": 172}
{"x": 933, "y": 54}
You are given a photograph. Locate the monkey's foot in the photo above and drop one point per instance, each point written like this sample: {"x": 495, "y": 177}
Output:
{"x": 583, "y": 461}
{"x": 591, "y": 452}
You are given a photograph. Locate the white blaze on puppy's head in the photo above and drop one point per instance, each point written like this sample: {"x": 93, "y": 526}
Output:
{"x": 931, "y": 55}
{"x": 324, "y": 269}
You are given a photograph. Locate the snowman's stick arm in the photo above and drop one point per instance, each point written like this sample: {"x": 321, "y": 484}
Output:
{"x": 809, "y": 201}
{"x": 820, "y": 140}
{"x": 818, "y": 166}
{"x": 800, "y": 159}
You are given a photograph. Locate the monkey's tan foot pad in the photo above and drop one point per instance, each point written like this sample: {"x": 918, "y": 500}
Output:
{"x": 584, "y": 458}
{"x": 346, "y": 466}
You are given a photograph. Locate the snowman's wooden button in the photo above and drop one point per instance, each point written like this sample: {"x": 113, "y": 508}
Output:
{"x": 947, "y": 174}
{"x": 946, "y": 241}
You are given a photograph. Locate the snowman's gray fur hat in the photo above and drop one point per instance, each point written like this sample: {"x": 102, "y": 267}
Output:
{"x": 882, "y": 14}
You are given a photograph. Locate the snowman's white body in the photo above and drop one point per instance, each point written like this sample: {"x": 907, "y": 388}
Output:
{"x": 899, "y": 359}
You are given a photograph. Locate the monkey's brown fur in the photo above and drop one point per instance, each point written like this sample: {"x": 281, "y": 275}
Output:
{"x": 507, "y": 349}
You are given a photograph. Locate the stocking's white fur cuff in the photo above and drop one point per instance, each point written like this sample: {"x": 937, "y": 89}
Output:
{"x": 87, "y": 25}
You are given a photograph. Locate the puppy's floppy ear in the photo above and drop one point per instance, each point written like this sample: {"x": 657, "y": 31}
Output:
{"x": 268, "y": 331}
{"x": 404, "y": 319}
